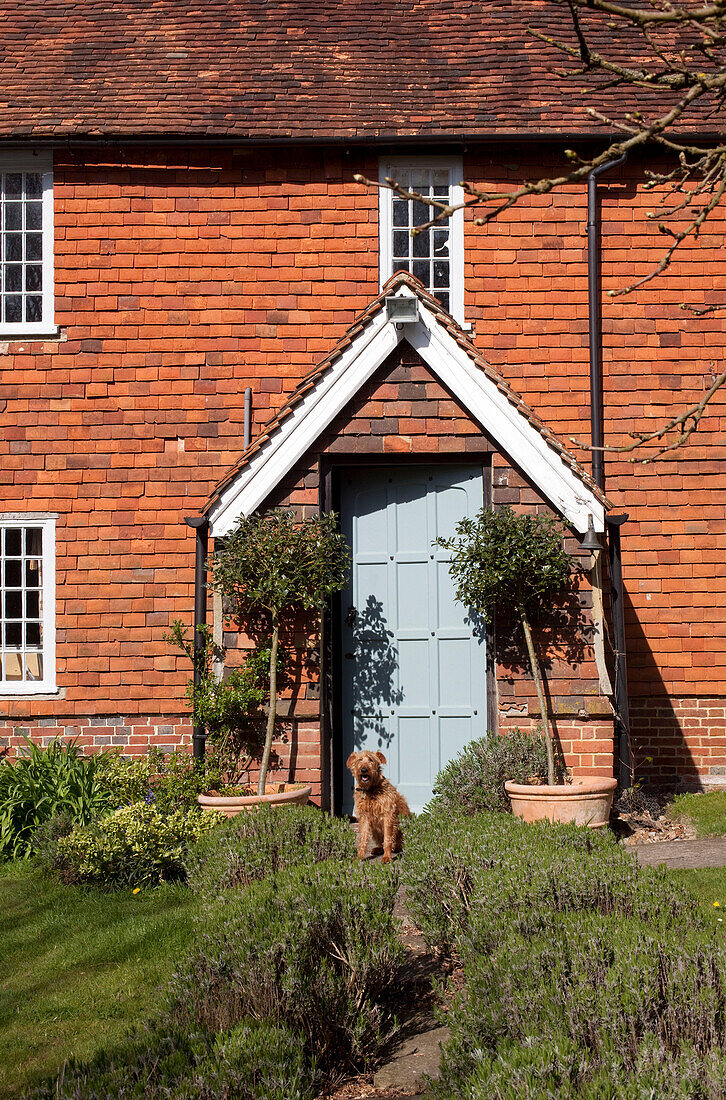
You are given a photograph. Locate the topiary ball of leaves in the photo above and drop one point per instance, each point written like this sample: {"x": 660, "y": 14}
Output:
{"x": 474, "y": 780}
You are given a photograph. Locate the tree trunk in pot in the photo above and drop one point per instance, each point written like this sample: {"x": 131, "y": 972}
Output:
{"x": 534, "y": 663}
{"x": 272, "y": 713}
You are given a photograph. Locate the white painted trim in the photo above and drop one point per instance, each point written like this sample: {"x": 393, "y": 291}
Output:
{"x": 514, "y": 434}
{"x": 454, "y": 166}
{"x": 512, "y": 431}
{"x": 28, "y": 161}
{"x": 47, "y": 685}
{"x": 304, "y": 424}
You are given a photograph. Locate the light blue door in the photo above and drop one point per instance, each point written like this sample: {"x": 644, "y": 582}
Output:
{"x": 413, "y": 668}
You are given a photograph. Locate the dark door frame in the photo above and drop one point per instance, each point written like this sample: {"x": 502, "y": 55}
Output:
{"x": 329, "y": 499}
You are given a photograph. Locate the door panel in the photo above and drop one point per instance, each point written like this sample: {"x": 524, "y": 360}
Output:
{"x": 413, "y": 671}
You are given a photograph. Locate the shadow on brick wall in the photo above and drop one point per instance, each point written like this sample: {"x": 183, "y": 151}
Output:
{"x": 661, "y": 753}
{"x": 563, "y": 636}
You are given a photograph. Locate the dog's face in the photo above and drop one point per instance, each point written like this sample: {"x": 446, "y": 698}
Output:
{"x": 366, "y": 768}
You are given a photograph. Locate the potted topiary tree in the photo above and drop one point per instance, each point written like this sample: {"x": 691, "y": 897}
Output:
{"x": 269, "y": 566}
{"x": 501, "y": 559}
{"x": 230, "y": 709}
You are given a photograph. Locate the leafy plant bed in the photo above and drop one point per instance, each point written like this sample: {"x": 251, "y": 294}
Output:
{"x": 295, "y": 953}
{"x": 78, "y": 967}
{"x": 579, "y": 974}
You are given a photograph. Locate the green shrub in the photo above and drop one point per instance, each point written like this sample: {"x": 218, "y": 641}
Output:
{"x": 136, "y": 845}
{"x": 38, "y": 785}
{"x": 170, "y": 781}
{"x": 563, "y": 1069}
{"x": 313, "y": 948}
{"x": 467, "y": 877}
{"x": 254, "y": 1061}
{"x": 606, "y": 1003}
{"x": 252, "y": 845}
{"x": 474, "y": 780}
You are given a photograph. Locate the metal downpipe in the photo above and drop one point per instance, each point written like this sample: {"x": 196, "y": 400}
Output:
{"x": 200, "y": 524}
{"x": 597, "y": 439}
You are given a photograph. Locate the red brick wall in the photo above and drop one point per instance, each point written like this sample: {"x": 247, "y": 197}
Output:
{"x": 180, "y": 279}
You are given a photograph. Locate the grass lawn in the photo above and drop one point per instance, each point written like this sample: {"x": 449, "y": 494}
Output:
{"x": 706, "y": 812}
{"x": 709, "y": 885}
{"x": 78, "y": 967}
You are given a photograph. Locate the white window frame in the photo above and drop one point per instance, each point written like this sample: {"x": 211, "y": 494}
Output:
{"x": 389, "y": 166}
{"x": 22, "y": 520}
{"x": 41, "y": 161}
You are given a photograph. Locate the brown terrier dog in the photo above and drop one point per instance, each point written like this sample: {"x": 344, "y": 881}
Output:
{"x": 378, "y": 805}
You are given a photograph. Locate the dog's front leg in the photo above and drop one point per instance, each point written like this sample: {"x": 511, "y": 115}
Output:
{"x": 364, "y": 832}
{"x": 389, "y": 832}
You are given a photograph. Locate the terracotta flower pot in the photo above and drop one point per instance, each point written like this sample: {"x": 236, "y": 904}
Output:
{"x": 583, "y": 802}
{"x": 276, "y": 794}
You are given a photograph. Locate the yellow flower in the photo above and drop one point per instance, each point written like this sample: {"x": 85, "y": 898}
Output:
{"x": 717, "y": 905}
{"x": 138, "y": 890}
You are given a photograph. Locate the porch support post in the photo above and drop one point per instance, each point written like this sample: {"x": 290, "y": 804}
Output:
{"x": 622, "y": 712}
{"x": 201, "y": 525}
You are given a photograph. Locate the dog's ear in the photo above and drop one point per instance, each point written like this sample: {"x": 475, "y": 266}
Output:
{"x": 351, "y": 760}
{"x": 380, "y": 758}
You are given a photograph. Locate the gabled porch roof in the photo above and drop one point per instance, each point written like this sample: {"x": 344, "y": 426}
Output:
{"x": 452, "y": 357}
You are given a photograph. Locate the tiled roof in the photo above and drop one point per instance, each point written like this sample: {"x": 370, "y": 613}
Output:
{"x": 282, "y": 69}
{"x": 402, "y": 278}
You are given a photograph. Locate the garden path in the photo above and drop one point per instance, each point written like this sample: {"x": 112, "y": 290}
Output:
{"x": 683, "y": 854}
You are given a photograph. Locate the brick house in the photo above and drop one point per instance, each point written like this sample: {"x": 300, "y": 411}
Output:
{"x": 180, "y": 223}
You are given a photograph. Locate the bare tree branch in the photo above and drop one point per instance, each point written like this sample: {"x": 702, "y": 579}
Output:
{"x": 675, "y": 53}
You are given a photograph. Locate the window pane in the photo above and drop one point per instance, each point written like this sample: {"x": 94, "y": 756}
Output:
{"x": 33, "y": 277}
{"x": 13, "y": 309}
{"x": 33, "y": 185}
{"x": 400, "y": 265}
{"x": 13, "y": 216}
{"x": 13, "y": 635}
{"x": 421, "y": 271}
{"x": 34, "y": 666}
{"x": 13, "y": 605}
{"x": 34, "y": 308}
{"x": 13, "y": 250}
{"x": 34, "y": 215}
{"x": 400, "y": 212}
{"x": 400, "y": 242}
{"x": 443, "y": 298}
{"x": 34, "y": 541}
{"x": 421, "y": 213}
{"x": 32, "y": 634}
{"x": 420, "y": 179}
{"x": 13, "y": 276}
{"x": 32, "y": 605}
{"x": 13, "y": 574}
{"x": 32, "y": 573}
{"x": 441, "y": 242}
{"x": 13, "y": 667}
{"x": 421, "y": 243}
{"x": 12, "y": 184}
{"x": 441, "y": 273}
{"x": 13, "y": 542}
{"x": 34, "y": 246}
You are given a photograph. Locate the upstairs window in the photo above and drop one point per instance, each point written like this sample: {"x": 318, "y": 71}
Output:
{"x": 27, "y": 605}
{"x": 26, "y": 245}
{"x": 436, "y": 255}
